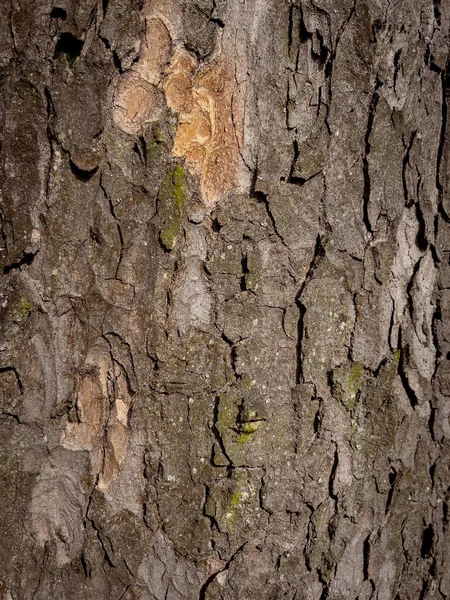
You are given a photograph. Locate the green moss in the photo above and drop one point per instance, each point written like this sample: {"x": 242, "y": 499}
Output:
{"x": 172, "y": 200}
{"x": 179, "y": 187}
{"x": 347, "y": 382}
{"x": 246, "y": 382}
{"x": 228, "y": 412}
{"x": 249, "y": 426}
{"x": 23, "y": 310}
{"x": 246, "y": 430}
{"x": 235, "y": 498}
{"x": 170, "y": 235}
{"x": 243, "y": 438}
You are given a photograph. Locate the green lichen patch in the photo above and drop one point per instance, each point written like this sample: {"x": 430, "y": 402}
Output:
{"x": 23, "y": 310}
{"x": 396, "y": 358}
{"x": 172, "y": 200}
{"x": 249, "y": 426}
{"x": 347, "y": 382}
{"x": 243, "y": 438}
{"x": 236, "y": 498}
{"x": 245, "y": 429}
{"x": 240, "y": 430}
{"x": 170, "y": 235}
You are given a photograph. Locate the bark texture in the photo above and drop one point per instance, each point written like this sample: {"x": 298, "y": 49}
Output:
{"x": 225, "y": 302}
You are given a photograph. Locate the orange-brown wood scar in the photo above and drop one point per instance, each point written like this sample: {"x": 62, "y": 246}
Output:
{"x": 203, "y": 95}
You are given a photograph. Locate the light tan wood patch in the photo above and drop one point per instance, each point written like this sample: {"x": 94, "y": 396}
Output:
{"x": 204, "y": 98}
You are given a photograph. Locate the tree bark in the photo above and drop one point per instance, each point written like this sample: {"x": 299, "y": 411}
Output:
{"x": 225, "y": 302}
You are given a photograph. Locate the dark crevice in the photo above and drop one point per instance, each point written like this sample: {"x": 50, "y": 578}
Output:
{"x": 304, "y": 35}
{"x": 437, "y": 12}
{"x": 397, "y": 65}
{"x": 58, "y": 13}
{"x": 263, "y": 199}
{"x": 140, "y": 147}
{"x": 408, "y": 201}
{"x": 366, "y": 558}
{"x": 70, "y": 46}
{"x": 443, "y": 142}
{"x": 325, "y": 592}
{"x": 211, "y": 578}
{"x": 333, "y": 475}
{"x": 82, "y": 174}
{"x": 431, "y": 422}
{"x": 128, "y": 569}
{"x": 261, "y": 497}
{"x": 432, "y": 471}
{"x": 319, "y": 253}
{"x": 217, "y": 435}
{"x": 366, "y": 173}
{"x": 409, "y": 289}
{"x": 427, "y": 542}
{"x": 97, "y": 529}
{"x": 7, "y": 413}
{"x": 86, "y": 566}
{"x": 423, "y": 591}
{"x": 216, "y": 226}
{"x": 217, "y": 22}
{"x": 300, "y": 336}
{"x": 122, "y": 595}
{"x": 214, "y": 525}
{"x": 321, "y": 57}
{"x": 117, "y": 62}
{"x": 377, "y": 26}
{"x": 392, "y": 479}
{"x": 27, "y": 259}
{"x": 198, "y": 55}
{"x": 95, "y": 235}
{"x": 245, "y": 271}
{"x": 318, "y": 419}
{"x": 311, "y": 536}
{"x": 233, "y": 356}
{"x": 392, "y": 345}
{"x": 421, "y": 238}
{"x": 294, "y": 179}
{"x": 403, "y": 375}
{"x": 115, "y": 56}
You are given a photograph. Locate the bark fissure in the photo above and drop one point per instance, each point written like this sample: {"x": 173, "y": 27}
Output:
{"x": 366, "y": 166}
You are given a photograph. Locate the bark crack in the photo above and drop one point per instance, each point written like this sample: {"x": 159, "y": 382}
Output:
{"x": 366, "y": 169}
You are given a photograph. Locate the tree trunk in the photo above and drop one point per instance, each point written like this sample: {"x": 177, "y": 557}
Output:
{"x": 226, "y": 300}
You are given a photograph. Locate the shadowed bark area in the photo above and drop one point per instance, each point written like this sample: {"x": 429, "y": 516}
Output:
{"x": 225, "y": 302}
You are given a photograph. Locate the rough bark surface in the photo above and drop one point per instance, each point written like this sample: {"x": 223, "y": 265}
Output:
{"x": 225, "y": 302}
